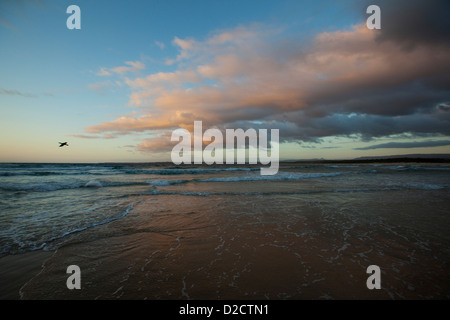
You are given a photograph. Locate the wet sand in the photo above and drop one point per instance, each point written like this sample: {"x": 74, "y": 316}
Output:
{"x": 178, "y": 247}
{"x": 16, "y": 270}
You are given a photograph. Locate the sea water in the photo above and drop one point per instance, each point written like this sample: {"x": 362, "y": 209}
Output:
{"x": 159, "y": 231}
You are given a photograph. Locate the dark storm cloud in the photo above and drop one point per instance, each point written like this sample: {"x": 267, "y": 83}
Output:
{"x": 381, "y": 98}
{"x": 414, "y": 22}
{"x": 413, "y": 144}
{"x": 366, "y": 127}
{"x": 444, "y": 107}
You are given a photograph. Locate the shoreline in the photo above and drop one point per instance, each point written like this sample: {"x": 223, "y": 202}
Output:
{"x": 168, "y": 258}
{"x": 18, "y": 269}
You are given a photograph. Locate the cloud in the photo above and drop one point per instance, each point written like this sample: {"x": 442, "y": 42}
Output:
{"x": 160, "y": 143}
{"x": 413, "y": 144}
{"x": 15, "y": 14}
{"x": 84, "y": 136}
{"x": 24, "y": 94}
{"x": 104, "y": 73}
{"x": 160, "y": 45}
{"x": 18, "y": 93}
{"x": 101, "y": 87}
{"x": 176, "y": 78}
{"x": 412, "y": 23}
{"x": 345, "y": 82}
{"x": 6, "y": 23}
{"x": 444, "y": 107}
{"x": 131, "y": 66}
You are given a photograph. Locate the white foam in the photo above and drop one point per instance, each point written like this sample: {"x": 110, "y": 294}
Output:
{"x": 166, "y": 182}
{"x": 93, "y": 184}
{"x": 279, "y": 177}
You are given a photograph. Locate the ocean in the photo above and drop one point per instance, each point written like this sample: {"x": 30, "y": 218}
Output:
{"x": 159, "y": 231}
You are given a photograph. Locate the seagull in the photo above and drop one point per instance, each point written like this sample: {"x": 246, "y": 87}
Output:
{"x": 62, "y": 144}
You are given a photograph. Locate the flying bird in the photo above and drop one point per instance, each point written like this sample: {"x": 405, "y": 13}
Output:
{"x": 62, "y": 144}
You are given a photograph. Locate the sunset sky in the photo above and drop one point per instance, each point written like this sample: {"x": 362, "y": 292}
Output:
{"x": 116, "y": 89}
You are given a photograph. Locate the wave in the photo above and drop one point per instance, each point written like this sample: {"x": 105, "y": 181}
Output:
{"x": 426, "y": 186}
{"x": 54, "y": 186}
{"x": 370, "y": 171}
{"x": 30, "y": 173}
{"x": 92, "y": 170}
{"x": 54, "y": 171}
{"x": 279, "y": 177}
{"x": 248, "y": 176}
{"x": 179, "y": 171}
{"x": 46, "y": 187}
{"x": 167, "y": 182}
{"x": 413, "y": 168}
{"x": 93, "y": 184}
{"x": 26, "y": 247}
{"x": 282, "y": 176}
{"x": 302, "y": 192}
{"x": 95, "y": 224}
{"x": 43, "y": 170}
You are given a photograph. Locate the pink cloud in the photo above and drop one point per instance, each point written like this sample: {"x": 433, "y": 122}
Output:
{"x": 131, "y": 66}
{"x": 245, "y": 75}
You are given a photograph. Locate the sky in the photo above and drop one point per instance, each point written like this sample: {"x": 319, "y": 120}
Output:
{"x": 118, "y": 87}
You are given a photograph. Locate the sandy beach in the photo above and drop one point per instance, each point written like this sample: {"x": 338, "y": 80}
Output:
{"x": 17, "y": 270}
{"x": 261, "y": 253}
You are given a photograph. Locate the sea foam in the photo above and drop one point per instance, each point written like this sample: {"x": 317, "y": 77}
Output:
{"x": 93, "y": 184}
